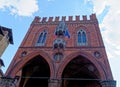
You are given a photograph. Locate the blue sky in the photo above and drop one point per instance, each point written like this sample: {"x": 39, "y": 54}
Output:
{"x": 18, "y": 15}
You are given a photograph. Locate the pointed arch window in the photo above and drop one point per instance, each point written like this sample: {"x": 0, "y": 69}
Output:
{"x": 44, "y": 37}
{"x": 82, "y": 39}
{"x": 41, "y": 39}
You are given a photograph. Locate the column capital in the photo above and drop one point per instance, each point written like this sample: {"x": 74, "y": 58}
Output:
{"x": 55, "y": 82}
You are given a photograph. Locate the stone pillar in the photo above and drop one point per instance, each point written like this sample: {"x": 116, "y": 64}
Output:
{"x": 108, "y": 83}
{"x": 54, "y": 83}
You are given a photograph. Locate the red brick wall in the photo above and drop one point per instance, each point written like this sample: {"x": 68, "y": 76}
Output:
{"x": 89, "y": 25}
{"x": 94, "y": 39}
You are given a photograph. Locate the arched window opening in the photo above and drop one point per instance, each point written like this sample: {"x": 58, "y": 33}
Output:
{"x": 44, "y": 37}
{"x": 82, "y": 39}
{"x": 41, "y": 39}
{"x": 79, "y": 37}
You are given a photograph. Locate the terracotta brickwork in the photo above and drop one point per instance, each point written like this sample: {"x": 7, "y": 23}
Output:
{"x": 93, "y": 53}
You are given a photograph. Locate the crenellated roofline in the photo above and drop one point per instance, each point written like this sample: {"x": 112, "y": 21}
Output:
{"x": 77, "y": 18}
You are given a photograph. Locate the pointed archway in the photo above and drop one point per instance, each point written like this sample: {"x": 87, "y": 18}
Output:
{"x": 35, "y": 73}
{"x": 80, "y": 72}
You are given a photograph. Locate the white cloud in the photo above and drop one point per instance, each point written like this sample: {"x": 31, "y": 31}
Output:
{"x": 110, "y": 23}
{"x": 99, "y": 6}
{"x": 20, "y": 7}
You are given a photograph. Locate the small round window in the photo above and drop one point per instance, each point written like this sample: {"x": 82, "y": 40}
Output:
{"x": 97, "y": 54}
{"x": 23, "y": 53}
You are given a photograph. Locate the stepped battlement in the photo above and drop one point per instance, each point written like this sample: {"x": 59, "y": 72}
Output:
{"x": 38, "y": 19}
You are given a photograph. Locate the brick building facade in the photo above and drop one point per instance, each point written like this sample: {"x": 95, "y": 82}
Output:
{"x": 62, "y": 53}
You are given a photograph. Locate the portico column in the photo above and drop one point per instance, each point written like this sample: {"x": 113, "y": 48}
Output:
{"x": 108, "y": 83}
{"x": 54, "y": 83}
